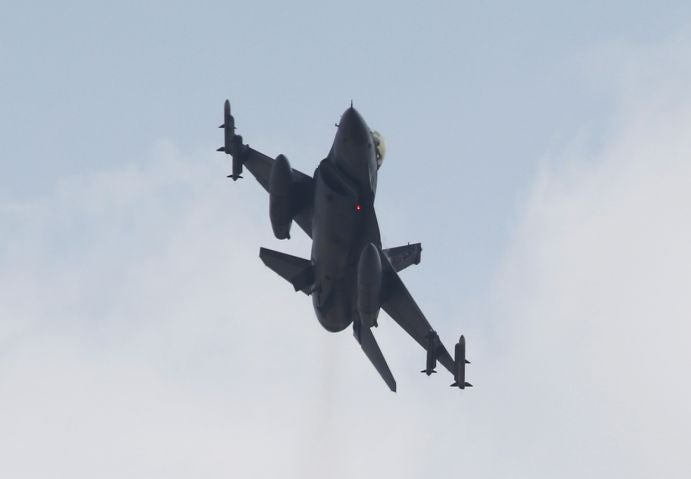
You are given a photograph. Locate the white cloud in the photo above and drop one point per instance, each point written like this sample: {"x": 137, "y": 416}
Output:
{"x": 140, "y": 336}
{"x": 596, "y": 295}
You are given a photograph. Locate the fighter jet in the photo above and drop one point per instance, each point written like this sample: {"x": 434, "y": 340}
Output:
{"x": 349, "y": 275}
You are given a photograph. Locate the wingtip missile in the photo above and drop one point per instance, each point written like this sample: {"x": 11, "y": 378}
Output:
{"x": 459, "y": 365}
{"x": 226, "y": 111}
{"x": 228, "y": 126}
{"x": 232, "y": 143}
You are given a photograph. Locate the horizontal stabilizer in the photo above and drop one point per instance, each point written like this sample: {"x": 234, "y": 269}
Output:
{"x": 297, "y": 271}
{"x": 403, "y": 256}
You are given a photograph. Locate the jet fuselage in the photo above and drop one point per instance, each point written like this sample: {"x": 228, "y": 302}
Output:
{"x": 343, "y": 220}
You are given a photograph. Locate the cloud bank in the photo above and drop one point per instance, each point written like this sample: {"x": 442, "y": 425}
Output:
{"x": 141, "y": 337}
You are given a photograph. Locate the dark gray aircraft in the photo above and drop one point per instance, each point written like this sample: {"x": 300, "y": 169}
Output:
{"x": 349, "y": 276}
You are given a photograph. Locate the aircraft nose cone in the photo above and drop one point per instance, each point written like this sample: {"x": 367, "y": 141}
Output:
{"x": 352, "y": 127}
{"x": 353, "y": 150}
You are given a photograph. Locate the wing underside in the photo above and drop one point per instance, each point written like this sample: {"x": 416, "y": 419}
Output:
{"x": 260, "y": 165}
{"x": 400, "y": 305}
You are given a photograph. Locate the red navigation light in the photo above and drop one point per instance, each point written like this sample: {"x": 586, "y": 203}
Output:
{"x": 358, "y": 208}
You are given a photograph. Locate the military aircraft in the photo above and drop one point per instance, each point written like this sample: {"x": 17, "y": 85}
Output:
{"x": 349, "y": 276}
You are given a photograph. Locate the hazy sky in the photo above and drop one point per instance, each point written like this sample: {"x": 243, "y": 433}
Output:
{"x": 539, "y": 152}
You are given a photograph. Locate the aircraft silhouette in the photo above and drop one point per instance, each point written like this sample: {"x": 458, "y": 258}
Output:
{"x": 349, "y": 276}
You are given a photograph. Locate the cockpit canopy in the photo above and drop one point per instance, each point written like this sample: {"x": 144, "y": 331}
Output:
{"x": 379, "y": 147}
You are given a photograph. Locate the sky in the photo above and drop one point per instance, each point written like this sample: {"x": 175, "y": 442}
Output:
{"x": 540, "y": 154}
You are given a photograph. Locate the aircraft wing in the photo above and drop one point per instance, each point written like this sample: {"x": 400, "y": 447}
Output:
{"x": 260, "y": 166}
{"x": 400, "y": 305}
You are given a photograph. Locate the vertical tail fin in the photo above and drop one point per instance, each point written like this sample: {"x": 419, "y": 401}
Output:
{"x": 369, "y": 345}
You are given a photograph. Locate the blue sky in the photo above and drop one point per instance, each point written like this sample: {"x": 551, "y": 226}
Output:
{"x": 470, "y": 96}
{"x": 480, "y": 92}
{"x": 537, "y": 151}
